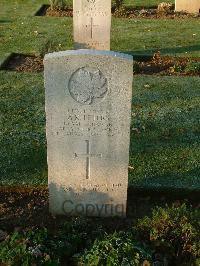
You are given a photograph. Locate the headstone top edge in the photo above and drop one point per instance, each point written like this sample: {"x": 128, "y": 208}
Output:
{"x": 87, "y": 52}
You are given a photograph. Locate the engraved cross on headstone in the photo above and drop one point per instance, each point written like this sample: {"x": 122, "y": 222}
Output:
{"x": 91, "y": 25}
{"x": 88, "y": 155}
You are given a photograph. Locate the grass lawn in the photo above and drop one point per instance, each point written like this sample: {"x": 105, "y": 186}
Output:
{"x": 37, "y": 35}
{"x": 165, "y": 151}
{"x": 164, "y": 141}
{"x": 13, "y": 9}
{"x": 164, "y": 148}
{"x": 144, "y": 3}
{"x": 171, "y": 37}
{"x": 16, "y": 8}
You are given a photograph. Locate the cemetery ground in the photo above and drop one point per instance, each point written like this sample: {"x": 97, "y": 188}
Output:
{"x": 164, "y": 148}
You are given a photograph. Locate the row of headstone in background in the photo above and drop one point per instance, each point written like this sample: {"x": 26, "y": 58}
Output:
{"x": 88, "y": 112}
{"x": 92, "y": 23}
{"x": 191, "y": 6}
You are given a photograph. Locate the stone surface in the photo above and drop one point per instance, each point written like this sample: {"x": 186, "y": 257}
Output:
{"x": 88, "y": 111}
{"x": 191, "y": 6}
{"x": 92, "y": 23}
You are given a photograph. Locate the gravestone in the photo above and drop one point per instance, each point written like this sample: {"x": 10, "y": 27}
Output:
{"x": 190, "y": 6}
{"x": 92, "y": 23}
{"x": 88, "y": 111}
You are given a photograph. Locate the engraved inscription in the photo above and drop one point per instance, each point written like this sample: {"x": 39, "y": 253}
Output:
{"x": 92, "y": 21}
{"x": 87, "y": 155}
{"x": 91, "y": 1}
{"x": 86, "y": 123}
{"x": 85, "y": 187}
{"x": 91, "y": 26}
{"x": 88, "y": 85}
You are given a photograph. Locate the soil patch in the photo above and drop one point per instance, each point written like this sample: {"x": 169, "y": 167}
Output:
{"x": 124, "y": 12}
{"x": 26, "y": 207}
{"x": 152, "y": 13}
{"x": 42, "y": 11}
{"x": 156, "y": 65}
{"x": 68, "y": 12}
{"x": 167, "y": 66}
{"x": 23, "y": 63}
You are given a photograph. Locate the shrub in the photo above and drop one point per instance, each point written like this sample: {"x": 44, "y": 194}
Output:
{"x": 173, "y": 231}
{"x": 177, "y": 68}
{"x": 40, "y": 247}
{"x": 119, "y": 3}
{"x": 120, "y": 12}
{"x": 164, "y": 7}
{"x": 23, "y": 249}
{"x": 119, "y": 9}
{"x": 115, "y": 249}
{"x": 169, "y": 237}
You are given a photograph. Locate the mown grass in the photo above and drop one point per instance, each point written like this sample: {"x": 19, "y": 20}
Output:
{"x": 144, "y": 3}
{"x": 16, "y": 8}
{"x": 135, "y": 3}
{"x": 164, "y": 149}
{"x": 13, "y": 9}
{"x": 172, "y": 37}
{"x": 37, "y": 35}
{"x": 23, "y": 151}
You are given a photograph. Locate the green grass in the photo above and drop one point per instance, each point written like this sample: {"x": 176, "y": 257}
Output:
{"x": 164, "y": 147}
{"x": 136, "y": 3}
{"x": 144, "y": 3}
{"x": 37, "y": 35}
{"x": 22, "y": 127}
{"x": 164, "y": 152}
{"x": 12, "y": 9}
{"x": 16, "y": 8}
{"x": 172, "y": 37}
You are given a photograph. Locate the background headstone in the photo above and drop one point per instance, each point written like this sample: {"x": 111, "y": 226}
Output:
{"x": 88, "y": 111}
{"x": 190, "y": 6}
{"x": 92, "y": 23}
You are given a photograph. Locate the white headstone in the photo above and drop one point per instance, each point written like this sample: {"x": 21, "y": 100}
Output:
{"x": 190, "y": 6}
{"x": 88, "y": 112}
{"x": 92, "y": 23}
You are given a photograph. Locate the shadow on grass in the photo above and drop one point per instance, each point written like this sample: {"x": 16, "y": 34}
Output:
{"x": 4, "y": 21}
{"x": 170, "y": 182}
{"x": 170, "y": 133}
{"x": 145, "y": 147}
{"x": 173, "y": 50}
{"x": 24, "y": 163}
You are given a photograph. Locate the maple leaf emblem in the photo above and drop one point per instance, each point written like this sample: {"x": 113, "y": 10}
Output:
{"x": 86, "y": 85}
{"x": 91, "y": 1}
